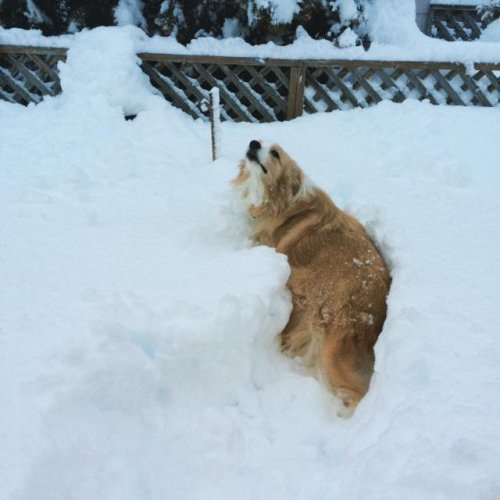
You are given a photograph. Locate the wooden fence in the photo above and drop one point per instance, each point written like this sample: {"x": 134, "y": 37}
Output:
{"x": 458, "y": 22}
{"x": 29, "y": 73}
{"x": 265, "y": 90}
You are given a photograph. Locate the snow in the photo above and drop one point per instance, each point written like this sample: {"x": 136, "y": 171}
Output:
{"x": 347, "y": 38}
{"x": 405, "y": 42}
{"x": 33, "y": 12}
{"x": 231, "y": 27}
{"x": 130, "y": 12}
{"x": 119, "y": 82}
{"x": 401, "y": 40}
{"x": 492, "y": 32}
{"x": 348, "y": 10}
{"x": 282, "y": 10}
{"x": 17, "y": 36}
{"x": 138, "y": 322}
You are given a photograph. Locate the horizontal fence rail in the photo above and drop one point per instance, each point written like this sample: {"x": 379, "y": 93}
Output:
{"x": 266, "y": 90}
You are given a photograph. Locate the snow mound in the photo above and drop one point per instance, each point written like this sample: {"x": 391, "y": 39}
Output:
{"x": 491, "y": 32}
{"x": 138, "y": 322}
{"x": 120, "y": 79}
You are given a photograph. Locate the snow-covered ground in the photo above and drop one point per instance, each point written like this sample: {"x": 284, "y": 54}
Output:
{"x": 138, "y": 322}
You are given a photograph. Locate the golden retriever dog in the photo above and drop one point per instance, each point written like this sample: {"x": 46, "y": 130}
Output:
{"x": 339, "y": 281}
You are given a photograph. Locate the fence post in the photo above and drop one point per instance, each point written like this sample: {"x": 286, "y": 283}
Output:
{"x": 296, "y": 92}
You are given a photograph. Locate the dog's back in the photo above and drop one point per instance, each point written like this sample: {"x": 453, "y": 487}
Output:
{"x": 339, "y": 281}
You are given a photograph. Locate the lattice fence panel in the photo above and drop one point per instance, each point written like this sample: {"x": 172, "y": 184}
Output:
{"x": 252, "y": 93}
{"x": 28, "y": 76}
{"x": 452, "y": 23}
{"x": 268, "y": 90}
{"x": 331, "y": 88}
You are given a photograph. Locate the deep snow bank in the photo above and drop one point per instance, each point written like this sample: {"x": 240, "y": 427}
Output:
{"x": 137, "y": 321}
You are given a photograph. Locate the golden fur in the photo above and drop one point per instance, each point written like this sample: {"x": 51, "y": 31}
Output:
{"x": 339, "y": 281}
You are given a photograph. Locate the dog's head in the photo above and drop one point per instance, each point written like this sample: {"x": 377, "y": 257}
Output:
{"x": 270, "y": 177}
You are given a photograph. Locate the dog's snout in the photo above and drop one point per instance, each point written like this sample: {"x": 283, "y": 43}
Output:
{"x": 253, "y": 149}
{"x": 253, "y": 154}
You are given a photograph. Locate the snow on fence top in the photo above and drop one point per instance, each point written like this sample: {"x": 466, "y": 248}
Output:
{"x": 415, "y": 47}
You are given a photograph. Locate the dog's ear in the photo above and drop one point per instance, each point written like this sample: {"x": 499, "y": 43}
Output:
{"x": 296, "y": 180}
{"x": 285, "y": 189}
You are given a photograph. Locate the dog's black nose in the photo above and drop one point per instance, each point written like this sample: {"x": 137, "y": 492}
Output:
{"x": 255, "y": 145}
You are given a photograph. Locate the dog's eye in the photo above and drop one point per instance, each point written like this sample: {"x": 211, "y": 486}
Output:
{"x": 275, "y": 154}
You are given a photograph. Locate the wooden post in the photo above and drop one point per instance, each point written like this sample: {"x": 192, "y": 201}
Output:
{"x": 296, "y": 92}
